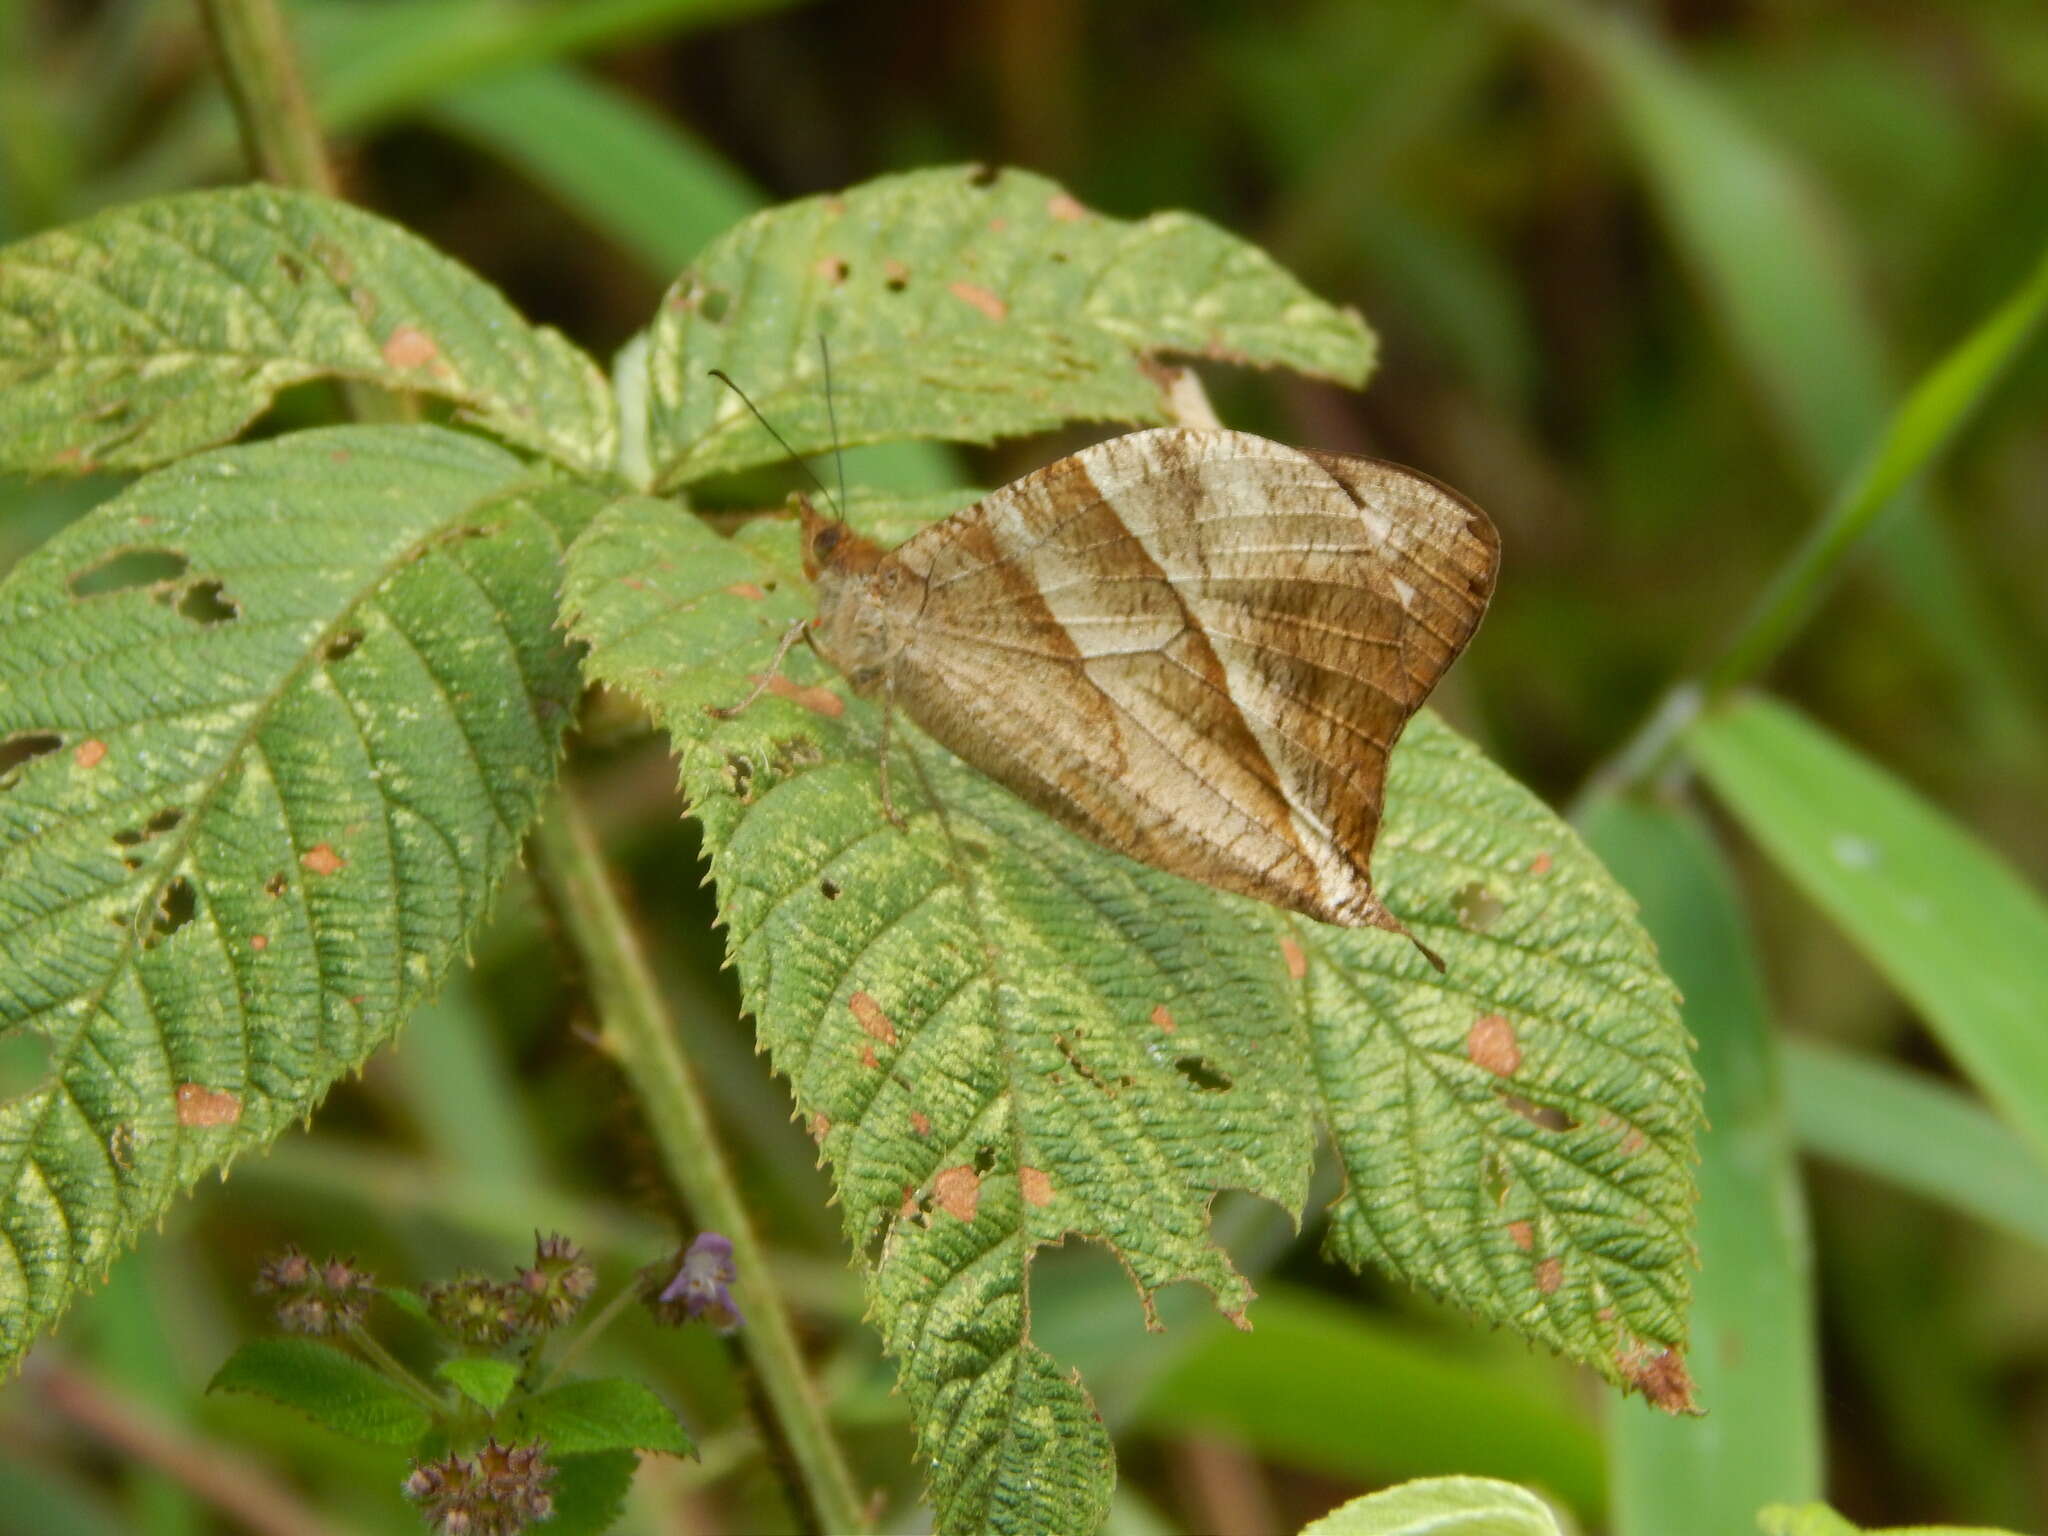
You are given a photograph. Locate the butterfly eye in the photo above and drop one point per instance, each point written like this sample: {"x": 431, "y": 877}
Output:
{"x": 827, "y": 539}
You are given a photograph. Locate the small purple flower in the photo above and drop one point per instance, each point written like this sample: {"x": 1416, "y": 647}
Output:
{"x": 702, "y": 1284}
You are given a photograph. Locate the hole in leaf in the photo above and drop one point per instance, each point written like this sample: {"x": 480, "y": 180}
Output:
{"x": 712, "y": 304}
{"x": 26, "y": 748}
{"x": 276, "y": 885}
{"x": 174, "y": 909}
{"x": 984, "y": 1159}
{"x": 1203, "y": 1077}
{"x": 1476, "y": 908}
{"x": 895, "y": 275}
{"x": 983, "y": 176}
{"x": 1546, "y": 1117}
{"x": 163, "y": 821}
{"x": 342, "y": 646}
{"x": 1495, "y": 1176}
{"x": 127, "y": 569}
{"x": 739, "y": 773}
{"x": 829, "y": 889}
{"x": 206, "y": 603}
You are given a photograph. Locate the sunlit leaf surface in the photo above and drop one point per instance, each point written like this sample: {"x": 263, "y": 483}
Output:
{"x": 275, "y": 721}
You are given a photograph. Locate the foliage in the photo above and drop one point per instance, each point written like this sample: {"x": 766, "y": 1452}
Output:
{"x": 1650, "y": 407}
{"x": 1441, "y": 1506}
{"x": 985, "y": 1072}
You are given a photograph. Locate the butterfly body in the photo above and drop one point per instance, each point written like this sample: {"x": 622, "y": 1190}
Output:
{"x": 1196, "y": 647}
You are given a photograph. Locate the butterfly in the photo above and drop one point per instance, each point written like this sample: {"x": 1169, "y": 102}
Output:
{"x": 1196, "y": 647}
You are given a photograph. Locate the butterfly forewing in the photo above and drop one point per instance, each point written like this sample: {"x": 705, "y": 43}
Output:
{"x": 1196, "y": 647}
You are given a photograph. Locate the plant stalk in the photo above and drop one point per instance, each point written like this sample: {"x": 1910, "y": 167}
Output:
{"x": 283, "y": 138}
{"x": 261, "y": 72}
{"x": 640, "y": 1034}
{"x": 1940, "y": 404}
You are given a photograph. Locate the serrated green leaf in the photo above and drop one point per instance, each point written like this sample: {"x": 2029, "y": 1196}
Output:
{"x": 327, "y": 1386}
{"x": 965, "y": 305}
{"x": 1819, "y": 1520}
{"x": 410, "y": 1302}
{"x": 1002, "y": 1034}
{"x": 589, "y": 1492}
{"x": 485, "y": 1382}
{"x": 1442, "y": 1506}
{"x": 606, "y": 1414}
{"x": 154, "y": 329}
{"x": 1517, "y": 1135}
{"x": 282, "y": 780}
{"x": 1938, "y": 914}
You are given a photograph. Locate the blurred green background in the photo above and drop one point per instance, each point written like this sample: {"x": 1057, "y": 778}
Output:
{"x": 1648, "y": 279}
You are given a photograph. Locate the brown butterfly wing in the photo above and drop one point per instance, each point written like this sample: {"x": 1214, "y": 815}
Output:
{"x": 1197, "y": 647}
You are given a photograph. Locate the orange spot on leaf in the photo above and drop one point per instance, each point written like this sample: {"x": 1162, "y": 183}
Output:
{"x": 818, "y": 700}
{"x": 1164, "y": 1019}
{"x": 321, "y": 859}
{"x": 871, "y": 1018}
{"x": 410, "y": 347}
{"x": 1540, "y": 865}
{"x": 867, "y": 1058}
{"x": 821, "y": 1125}
{"x": 920, "y": 1122}
{"x": 259, "y": 942}
{"x": 1522, "y": 1234}
{"x": 833, "y": 268}
{"x": 748, "y": 590}
{"x": 957, "y": 1191}
{"x": 90, "y": 754}
{"x": 1490, "y": 1043}
{"x": 1065, "y": 208}
{"x": 1296, "y": 958}
{"x": 201, "y": 1106}
{"x": 1036, "y": 1185}
{"x": 980, "y": 298}
{"x": 1550, "y": 1275}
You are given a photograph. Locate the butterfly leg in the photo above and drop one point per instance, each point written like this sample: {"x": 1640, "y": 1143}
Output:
{"x": 790, "y": 636}
{"x": 889, "y": 810}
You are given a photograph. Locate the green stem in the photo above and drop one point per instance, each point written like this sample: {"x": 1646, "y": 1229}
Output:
{"x": 261, "y": 73}
{"x": 283, "y": 138}
{"x": 1940, "y": 404}
{"x": 588, "y": 1335}
{"x": 638, "y": 1031}
{"x": 394, "y": 1368}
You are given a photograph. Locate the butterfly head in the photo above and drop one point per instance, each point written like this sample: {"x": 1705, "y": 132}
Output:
{"x": 830, "y": 545}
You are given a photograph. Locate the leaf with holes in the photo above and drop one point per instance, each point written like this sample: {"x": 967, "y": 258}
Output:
{"x": 278, "y": 718}
{"x": 961, "y": 304}
{"x": 154, "y": 329}
{"x": 1001, "y": 1034}
{"x": 1516, "y": 1134}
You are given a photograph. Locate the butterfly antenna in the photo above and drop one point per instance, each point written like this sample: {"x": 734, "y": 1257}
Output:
{"x": 832, "y": 416}
{"x": 726, "y": 379}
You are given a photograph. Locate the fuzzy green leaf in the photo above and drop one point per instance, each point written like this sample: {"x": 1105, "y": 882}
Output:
{"x": 961, "y": 304}
{"x": 331, "y": 1388}
{"x": 154, "y": 329}
{"x": 1441, "y": 1506}
{"x": 285, "y": 712}
{"x": 606, "y": 1414}
{"x": 589, "y": 1492}
{"x": 1002, "y": 1034}
{"x": 485, "y": 1382}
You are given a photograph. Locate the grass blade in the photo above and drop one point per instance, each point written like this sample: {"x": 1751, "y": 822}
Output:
{"x": 1752, "y": 1324}
{"x": 1957, "y": 932}
{"x": 1848, "y": 1109}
